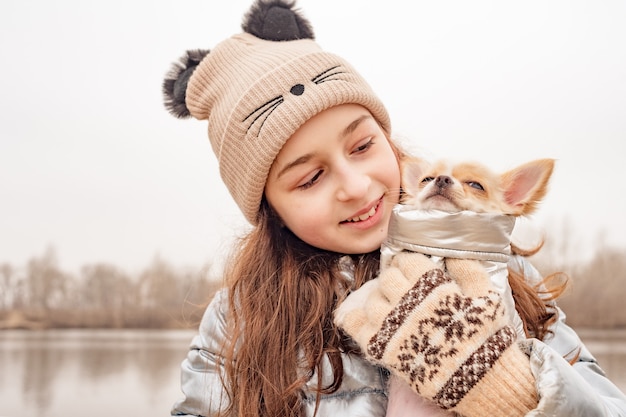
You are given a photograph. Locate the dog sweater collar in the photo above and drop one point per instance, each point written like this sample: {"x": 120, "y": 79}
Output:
{"x": 466, "y": 234}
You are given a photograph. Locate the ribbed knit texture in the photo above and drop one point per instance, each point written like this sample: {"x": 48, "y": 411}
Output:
{"x": 256, "y": 93}
{"x": 447, "y": 338}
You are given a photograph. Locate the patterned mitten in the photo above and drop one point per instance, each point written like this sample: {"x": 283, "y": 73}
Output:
{"x": 447, "y": 338}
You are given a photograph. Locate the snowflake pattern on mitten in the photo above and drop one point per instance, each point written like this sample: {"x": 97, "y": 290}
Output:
{"x": 452, "y": 321}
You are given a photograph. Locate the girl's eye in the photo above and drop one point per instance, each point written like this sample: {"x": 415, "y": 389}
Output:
{"x": 475, "y": 185}
{"x": 312, "y": 181}
{"x": 364, "y": 146}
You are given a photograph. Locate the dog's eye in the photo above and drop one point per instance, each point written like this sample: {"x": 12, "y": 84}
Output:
{"x": 427, "y": 179}
{"x": 475, "y": 185}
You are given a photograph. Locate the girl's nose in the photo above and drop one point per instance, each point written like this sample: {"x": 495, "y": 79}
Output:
{"x": 352, "y": 184}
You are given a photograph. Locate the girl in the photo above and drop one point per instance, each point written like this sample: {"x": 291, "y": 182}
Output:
{"x": 304, "y": 148}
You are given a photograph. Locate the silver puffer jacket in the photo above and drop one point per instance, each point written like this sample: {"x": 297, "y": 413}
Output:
{"x": 578, "y": 390}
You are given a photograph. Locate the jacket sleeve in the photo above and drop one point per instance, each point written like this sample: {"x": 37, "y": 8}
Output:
{"x": 202, "y": 370}
{"x": 580, "y": 389}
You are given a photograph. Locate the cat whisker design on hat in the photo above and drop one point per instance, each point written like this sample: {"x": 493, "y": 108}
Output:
{"x": 268, "y": 107}
{"x": 325, "y": 76}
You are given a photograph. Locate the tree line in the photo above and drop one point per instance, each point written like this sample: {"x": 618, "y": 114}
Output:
{"x": 594, "y": 297}
{"x": 40, "y": 294}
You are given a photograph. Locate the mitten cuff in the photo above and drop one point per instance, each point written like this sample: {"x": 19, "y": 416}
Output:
{"x": 507, "y": 389}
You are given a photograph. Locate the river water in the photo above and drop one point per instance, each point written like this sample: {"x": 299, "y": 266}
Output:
{"x": 67, "y": 373}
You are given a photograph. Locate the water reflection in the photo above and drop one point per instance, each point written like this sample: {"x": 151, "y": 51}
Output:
{"x": 609, "y": 348}
{"x": 102, "y": 373}
{"x": 65, "y": 373}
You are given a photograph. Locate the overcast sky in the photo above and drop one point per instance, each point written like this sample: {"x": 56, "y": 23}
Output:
{"x": 91, "y": 163}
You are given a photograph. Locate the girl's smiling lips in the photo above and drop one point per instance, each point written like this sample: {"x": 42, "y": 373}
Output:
{"x": 366, "y": 217}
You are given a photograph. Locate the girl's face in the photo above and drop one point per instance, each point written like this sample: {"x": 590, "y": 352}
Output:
{"x": 335, "y": 181}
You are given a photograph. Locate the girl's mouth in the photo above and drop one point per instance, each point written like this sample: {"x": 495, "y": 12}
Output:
{"x": 364, "y": 216}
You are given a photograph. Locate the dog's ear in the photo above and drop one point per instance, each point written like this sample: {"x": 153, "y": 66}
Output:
{"x": 276, "y": 20}
{"x": 176, "y": 80}
{"x": 525, "y": 186}
{"x": 413, "y": 170}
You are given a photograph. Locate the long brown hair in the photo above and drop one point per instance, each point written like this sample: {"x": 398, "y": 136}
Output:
{"x": 282, "y": 294}
{"x": 535, "y": 303}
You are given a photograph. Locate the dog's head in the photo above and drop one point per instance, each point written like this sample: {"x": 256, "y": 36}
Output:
{"x": 472, "y": 186}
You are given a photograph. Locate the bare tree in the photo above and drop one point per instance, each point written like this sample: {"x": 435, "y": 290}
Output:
{"x": 598, "y": 290}
{"x": 105, "y": 286}
{"x": 7, "y": 284}
{"x": 158, "y": 286}
{"x": 46, "y": 283}
{"x": 108, "y": 294}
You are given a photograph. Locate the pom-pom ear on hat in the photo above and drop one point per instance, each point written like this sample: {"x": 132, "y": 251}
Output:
{"x": 257, "y": 88}
{"x": 276, "y": 20}
{"x": 176, "y": 80}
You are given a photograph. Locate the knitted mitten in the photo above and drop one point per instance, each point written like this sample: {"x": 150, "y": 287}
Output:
{"x": 445, "y": 334}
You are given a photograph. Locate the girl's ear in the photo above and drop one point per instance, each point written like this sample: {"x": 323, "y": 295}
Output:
{"x": 176, "y": 80}
{"x": 525, "y": 186}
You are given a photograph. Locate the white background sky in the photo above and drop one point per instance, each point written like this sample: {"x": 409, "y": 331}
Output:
{"x": 92, "y": 164}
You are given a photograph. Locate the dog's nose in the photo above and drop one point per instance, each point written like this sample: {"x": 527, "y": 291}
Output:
{"x": 443, "y": 181}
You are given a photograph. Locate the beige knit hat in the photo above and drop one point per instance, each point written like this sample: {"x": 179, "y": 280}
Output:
{"x": 257, "y": 88}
